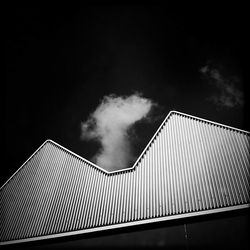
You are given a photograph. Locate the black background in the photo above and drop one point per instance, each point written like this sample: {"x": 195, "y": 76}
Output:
{"x": 60, "y": 60}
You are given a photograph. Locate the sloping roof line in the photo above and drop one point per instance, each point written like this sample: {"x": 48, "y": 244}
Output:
{"x": 190, "y": 167}
{"x": 120, "y": 171}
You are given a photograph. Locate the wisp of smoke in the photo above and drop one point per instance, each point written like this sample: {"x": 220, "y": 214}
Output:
{"x": 228, "y": 95}
{"x": 109, "y": 124}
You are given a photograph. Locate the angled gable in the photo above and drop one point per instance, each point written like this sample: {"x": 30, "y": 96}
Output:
{"x": 190, "y": 167}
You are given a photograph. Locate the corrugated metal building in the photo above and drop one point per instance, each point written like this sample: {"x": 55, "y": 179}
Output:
{"x": 190, "y": 167}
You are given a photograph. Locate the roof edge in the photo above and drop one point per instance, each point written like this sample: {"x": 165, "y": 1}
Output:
{"x": 209, "y": 121}
{"x": 140, "y": 156}
{"x": 99, "y": 229}
{"x": 23, "y": 164}
{"x": 147, "y": 146}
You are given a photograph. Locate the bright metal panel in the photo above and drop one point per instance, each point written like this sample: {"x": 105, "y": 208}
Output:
{"x": 191, "y": 166}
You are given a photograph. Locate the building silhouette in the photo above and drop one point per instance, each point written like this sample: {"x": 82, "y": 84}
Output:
{"x": 192, "y": 171}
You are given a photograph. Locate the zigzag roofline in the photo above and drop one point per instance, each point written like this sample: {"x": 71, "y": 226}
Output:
{"x": 141, "y": 155}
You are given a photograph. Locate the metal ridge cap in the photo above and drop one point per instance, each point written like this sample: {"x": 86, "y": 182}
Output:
{"x": 120, "y": 170}
{"x": 91, "y": 163}
{"x": 140, "y": 156}
{"x": 61, "y": 147}
{"x": 23, "y": 165}
{"x": 164, "y": 121}
{"x": 78, "y": 156}
{"x": 147, "y": 146}
{"x": 209, "y": 121}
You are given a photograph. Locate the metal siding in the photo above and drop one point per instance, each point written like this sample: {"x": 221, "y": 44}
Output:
{"x": 189, "y": 165}
{"x": 97, "y": 198}
{"x": 122, "y": 183}
{"x": 80, "y": 187}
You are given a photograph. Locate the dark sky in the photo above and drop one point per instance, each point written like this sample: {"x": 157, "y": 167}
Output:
{"x": 61, "y": 61}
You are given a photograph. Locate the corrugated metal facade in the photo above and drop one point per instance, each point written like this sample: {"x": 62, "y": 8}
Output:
{"x": 189, "y": 167}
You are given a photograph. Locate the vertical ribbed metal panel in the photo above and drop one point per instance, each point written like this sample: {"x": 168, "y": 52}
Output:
{"x": 190, "y": 165}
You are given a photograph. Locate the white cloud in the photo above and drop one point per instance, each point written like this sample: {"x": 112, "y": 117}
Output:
{"x": 109, "y": 124}
{"x": 227, "y": 94}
